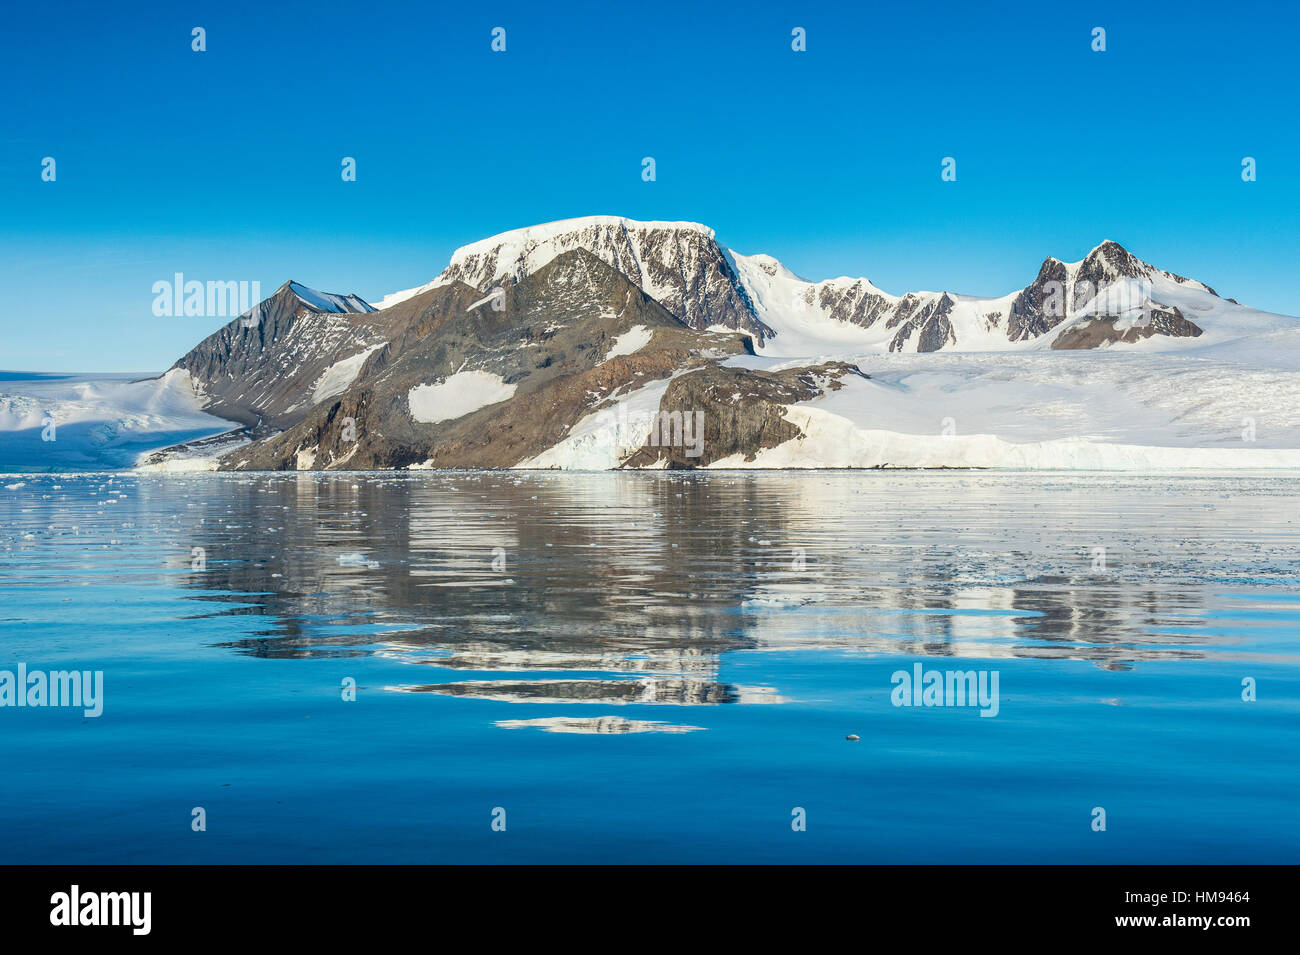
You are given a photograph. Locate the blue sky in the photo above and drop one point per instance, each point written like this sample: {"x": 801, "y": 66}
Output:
{"x": 225, "y": 165}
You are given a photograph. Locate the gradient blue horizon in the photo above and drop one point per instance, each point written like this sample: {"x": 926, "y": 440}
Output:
{"x": 224, "y": 165}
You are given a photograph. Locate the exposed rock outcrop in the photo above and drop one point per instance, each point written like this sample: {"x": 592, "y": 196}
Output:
{"x": 740, "y": 412}
{"x": 1105, "y": 330}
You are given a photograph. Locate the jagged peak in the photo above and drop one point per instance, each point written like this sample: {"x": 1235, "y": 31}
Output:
{"x": 1113, "y": 257}
{"x": 1052, "y": 266}
{"x": 1109, "y": 259}
{"x": 1107, "y": 245}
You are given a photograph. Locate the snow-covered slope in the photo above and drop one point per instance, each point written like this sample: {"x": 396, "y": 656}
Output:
{"x": 1100, "y": 298}
{"x": 61, "y": 422}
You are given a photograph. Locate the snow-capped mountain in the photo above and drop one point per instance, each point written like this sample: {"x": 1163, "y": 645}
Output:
{"x": 1109, "y": 296}
{"x": 816, "y": 317}
{"x": 555, "y": 345}
{"x": 561, "y": 345}
{"x": 678, "y": 264}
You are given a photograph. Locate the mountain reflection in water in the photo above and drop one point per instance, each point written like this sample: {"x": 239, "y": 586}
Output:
{"x": 360, "y": 667}
{"x": 628, "y": 588}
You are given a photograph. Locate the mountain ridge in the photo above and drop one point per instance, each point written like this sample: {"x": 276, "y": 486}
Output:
{"x": 561, "y": 345}
{"x": 703, "y": 283}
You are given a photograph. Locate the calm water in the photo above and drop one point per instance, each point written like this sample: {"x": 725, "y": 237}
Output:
{"x": 652, "y": 667}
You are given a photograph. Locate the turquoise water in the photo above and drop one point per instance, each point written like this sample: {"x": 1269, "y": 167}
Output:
{"x": 652, "y": 667}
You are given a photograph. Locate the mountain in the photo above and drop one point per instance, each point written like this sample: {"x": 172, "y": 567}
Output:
{"x": 257, "y": 367}
{"x": 679, "y": 264}
{"x": 802, "y": 313}
{"x": 703, "y": 284}
{"x": 604, "y": 342}
{"x": 449, "y": 376}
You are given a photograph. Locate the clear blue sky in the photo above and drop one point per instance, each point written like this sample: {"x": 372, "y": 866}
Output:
{"x": 225, "y": 165}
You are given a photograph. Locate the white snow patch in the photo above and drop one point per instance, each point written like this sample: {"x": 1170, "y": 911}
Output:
{"x": 338, "y": 377}
{"x": 457, "y": 396}
{"x": 632, "y": 340}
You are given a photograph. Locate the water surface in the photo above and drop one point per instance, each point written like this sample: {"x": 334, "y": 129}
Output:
{"x": 652, "y": 667}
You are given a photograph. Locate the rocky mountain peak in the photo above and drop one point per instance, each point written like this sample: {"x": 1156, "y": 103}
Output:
{"x": 679, "y": 264}
{"x": 1109, "y": 262}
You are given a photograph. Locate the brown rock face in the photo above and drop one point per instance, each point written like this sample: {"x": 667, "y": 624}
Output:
{"x": 1032, "y": 311}
{"x": 1100, "y": 331}
{"x": 1111, "y": 261}
{"x": 733, "y": 425}
{"x": 681, "y": 264}
{"x": 241, "y": 367}
{"x": 934, "y": 322}
{"x": 547, "y": 336}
